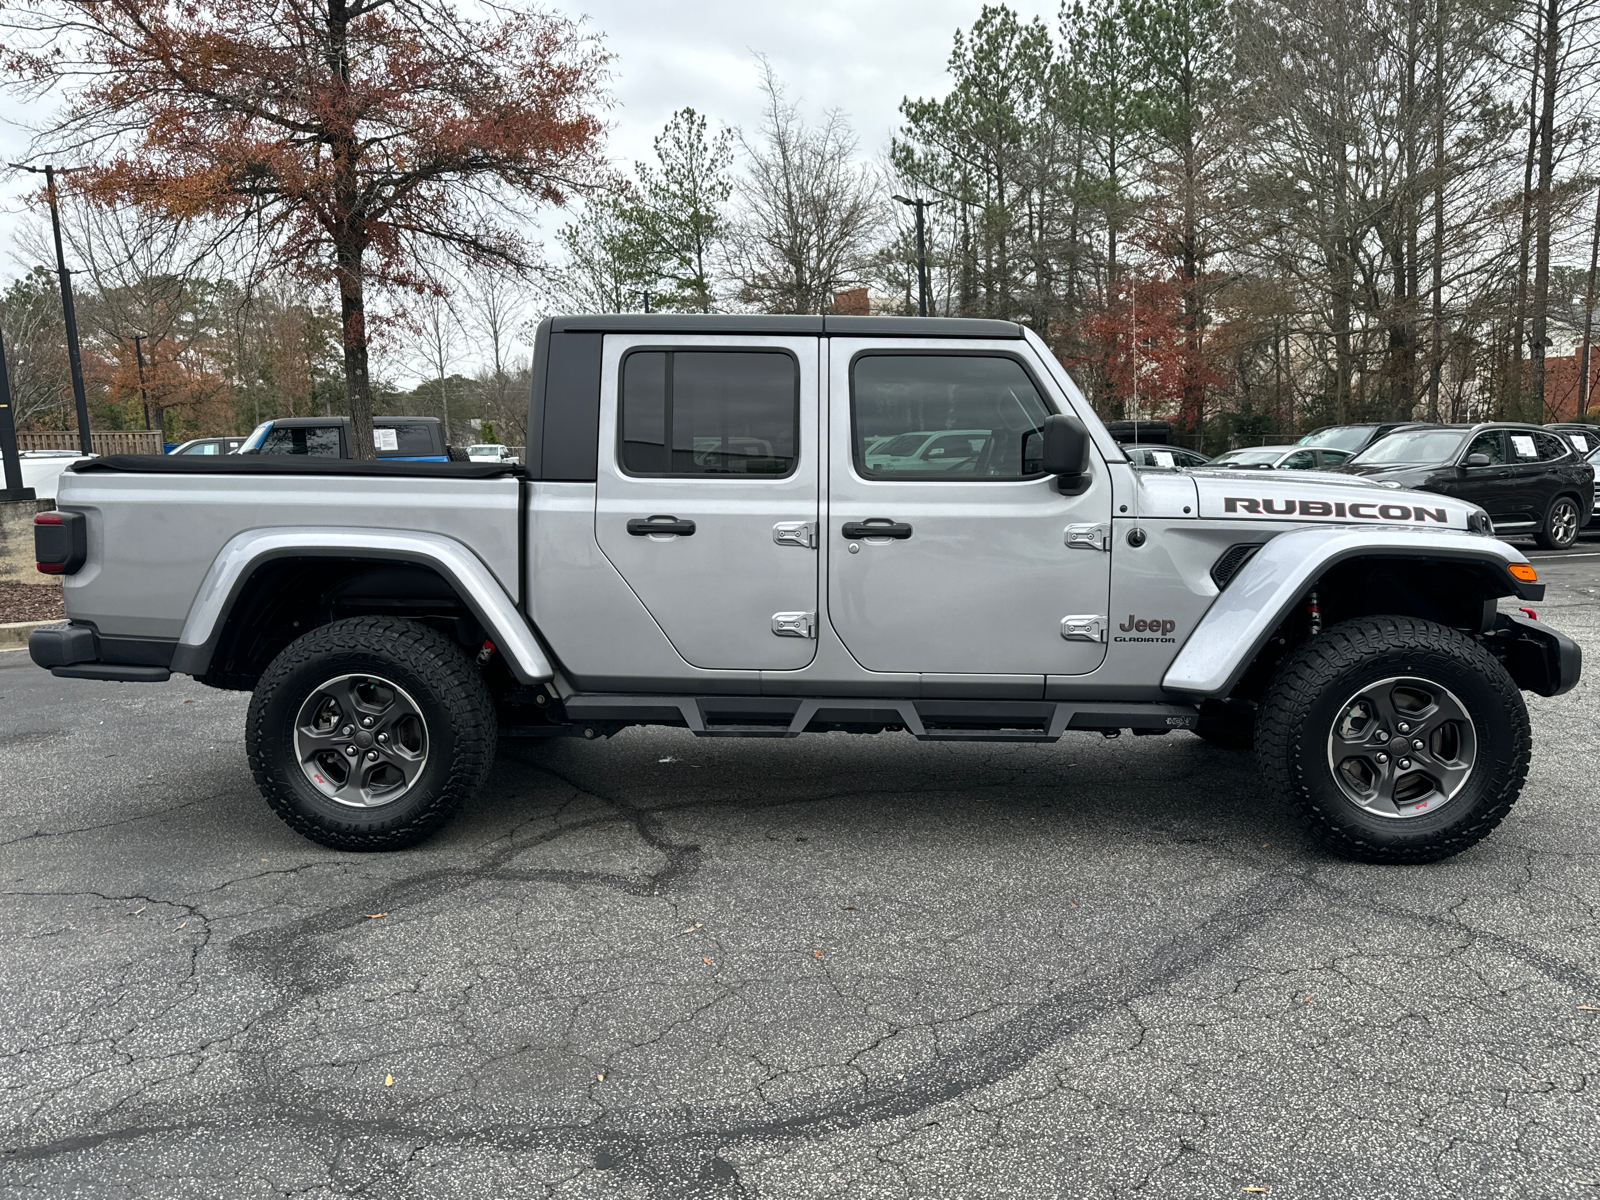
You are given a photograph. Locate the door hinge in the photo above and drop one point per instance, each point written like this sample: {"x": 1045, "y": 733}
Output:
{"x": 1088, "y": 537}
{"x": 796, "y": 625}
{"x": 796, "y": 533}
{"x": 1085, "y": 628}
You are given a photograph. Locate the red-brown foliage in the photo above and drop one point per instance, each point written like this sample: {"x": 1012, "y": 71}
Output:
{"x": 357, "y": 137}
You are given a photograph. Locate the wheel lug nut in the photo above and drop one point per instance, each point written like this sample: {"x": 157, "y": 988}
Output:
{"x": 347, "y": 731}
{"x": 1382, "y": 758}
{"x": 366, "y": 723}
{"x": 351, "y": 750}
{"x": 384, "y": 737}
{"x": 372, "y": 756}
{"x": 1418, "y": 744}
{"x": 1405, "y": 764}
{"x": 1404, "y": 728}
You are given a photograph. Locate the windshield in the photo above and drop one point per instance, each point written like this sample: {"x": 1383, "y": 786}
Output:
{"x": 899, "y": 447}
{"x": 1340, "y": 437}
{"x": 1250, "y": 457}
{"x": 1422, "y": 446}
{"x": 257, "y": 436}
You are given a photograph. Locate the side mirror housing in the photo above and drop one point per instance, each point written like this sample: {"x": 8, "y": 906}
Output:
{"x": 1066, "y": 452}
{"x": 1478, "y": 460}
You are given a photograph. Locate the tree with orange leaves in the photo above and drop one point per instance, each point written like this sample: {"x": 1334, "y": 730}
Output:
{"x": 362, "y": 140}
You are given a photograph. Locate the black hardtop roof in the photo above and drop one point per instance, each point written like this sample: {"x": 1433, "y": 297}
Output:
{"x": 773, "y": 325}
{"x": 317, "y": 422}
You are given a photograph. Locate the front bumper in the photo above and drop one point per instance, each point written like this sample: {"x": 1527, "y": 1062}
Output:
{"x": 1539, "y": 659}
{"x": 76, "y": 652}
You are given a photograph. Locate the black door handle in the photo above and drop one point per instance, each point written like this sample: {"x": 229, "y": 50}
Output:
{"x": 877, "y": 527}
{"x": 644, "y": 526}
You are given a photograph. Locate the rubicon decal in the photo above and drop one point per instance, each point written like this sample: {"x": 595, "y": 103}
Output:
{"x": 1359, "y": 510}
{"x": 1159, "y": 629}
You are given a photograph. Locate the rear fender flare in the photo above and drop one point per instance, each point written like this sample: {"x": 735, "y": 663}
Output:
{"x": 1256, "y": 601}
{"x": 464, "y": 570}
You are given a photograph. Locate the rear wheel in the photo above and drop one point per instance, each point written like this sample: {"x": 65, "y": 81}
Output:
{"x": 370, "y": 733}
{"x": 1396, "y": 740}
{"x": 1561, "y": 521}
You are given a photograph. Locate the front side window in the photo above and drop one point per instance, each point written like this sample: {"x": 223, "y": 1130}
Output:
{"x": 1489, "y": 445}
{"x": 934, "y": 416}
{"x": 711, "y": 412}
{"x": 319, "y": 441}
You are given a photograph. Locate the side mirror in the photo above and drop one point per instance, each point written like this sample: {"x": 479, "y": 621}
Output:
{"x": 1066, "y": 451}
{"x": 1478, "y": 460}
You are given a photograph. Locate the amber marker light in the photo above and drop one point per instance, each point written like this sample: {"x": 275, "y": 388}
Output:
{"x": 1524, "y": 572}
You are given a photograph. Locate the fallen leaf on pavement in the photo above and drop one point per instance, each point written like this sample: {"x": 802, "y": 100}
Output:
{"x": 816, "y": 954}
{"x": 375, "y": 916}
{"x": 705, "y": 960}
{"x": 388, "y": 1081}
{"x": 1256, "y": 1189}
{"x": 1589, "y": 1008}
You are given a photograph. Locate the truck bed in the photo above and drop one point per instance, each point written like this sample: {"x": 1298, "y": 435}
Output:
{"x": 159, "y": 534}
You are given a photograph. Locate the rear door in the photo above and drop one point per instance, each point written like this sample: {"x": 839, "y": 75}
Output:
{"x": 982, "y": 566}
{"x": 706, "y": 495}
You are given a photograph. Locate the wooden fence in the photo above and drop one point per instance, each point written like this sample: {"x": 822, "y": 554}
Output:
{"x": 105, "y": 441}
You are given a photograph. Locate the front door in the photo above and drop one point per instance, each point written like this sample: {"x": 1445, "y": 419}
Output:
{"x": 1488, "y": 485}
{"x": 706, "y": 492}
{"x": 948, "y": 548}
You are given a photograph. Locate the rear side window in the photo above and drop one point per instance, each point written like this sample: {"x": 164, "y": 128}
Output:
{"x": 405, "y": 439}
{"x": 1550, "y": 446}
{"x": 1523, "y": 448}
{"x": 320, "y": 441}
{"x": 709, "y": 412}
{"x": 1303, "y": 460}
{"x": 945, "y": 416}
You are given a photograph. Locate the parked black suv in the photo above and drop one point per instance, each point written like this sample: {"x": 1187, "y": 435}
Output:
{"x": 1528, "y": 479}
{"x": 1584, "y": 438}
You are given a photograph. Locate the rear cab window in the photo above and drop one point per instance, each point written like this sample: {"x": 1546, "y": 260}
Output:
{"x": 945, "y": 416}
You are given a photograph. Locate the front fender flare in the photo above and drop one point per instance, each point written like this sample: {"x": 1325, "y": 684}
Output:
{"x": 1257, "y": 599}
{"x": 464, "y": 570}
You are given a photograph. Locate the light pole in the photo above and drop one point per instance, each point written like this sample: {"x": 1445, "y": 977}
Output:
{"x": 69, "y": 314}
{"x": 922, "y": 251}
{"x": 13, "y": 489}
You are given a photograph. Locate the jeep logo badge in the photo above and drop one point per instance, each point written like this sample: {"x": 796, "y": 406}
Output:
{"x": 1159, "y": 627}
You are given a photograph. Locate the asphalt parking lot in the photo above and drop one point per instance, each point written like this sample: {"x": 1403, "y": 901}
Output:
{"x": 833, "y": 967}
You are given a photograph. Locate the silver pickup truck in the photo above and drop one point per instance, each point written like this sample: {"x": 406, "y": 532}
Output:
{"x": 766, "y": 526}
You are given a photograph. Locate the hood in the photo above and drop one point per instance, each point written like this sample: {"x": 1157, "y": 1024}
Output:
{"x": 1405, "y": 474}
{"x": 1326, "y": 498}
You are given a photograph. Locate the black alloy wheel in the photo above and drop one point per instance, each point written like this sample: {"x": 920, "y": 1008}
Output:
{"x": 370, "y": 733}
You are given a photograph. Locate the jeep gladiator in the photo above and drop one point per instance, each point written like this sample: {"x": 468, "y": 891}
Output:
{"x": 766, "y": 526}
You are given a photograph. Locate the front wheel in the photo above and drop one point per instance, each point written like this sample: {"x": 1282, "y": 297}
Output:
{"x": 1396, "y": 740}
{"x": 1560, "y": 528}
{"x": 370, "y": 733}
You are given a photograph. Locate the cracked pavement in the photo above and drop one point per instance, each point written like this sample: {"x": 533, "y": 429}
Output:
{"x": 833, "y": 967}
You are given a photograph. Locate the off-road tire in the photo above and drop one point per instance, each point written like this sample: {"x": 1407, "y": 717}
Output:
{"x": 439, "y": 678}
{"x": 1559, "y": 529}
{"x": 1305, "y": 698}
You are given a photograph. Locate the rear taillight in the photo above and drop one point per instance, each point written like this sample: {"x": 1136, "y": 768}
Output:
{"x": 60, "y": 542}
